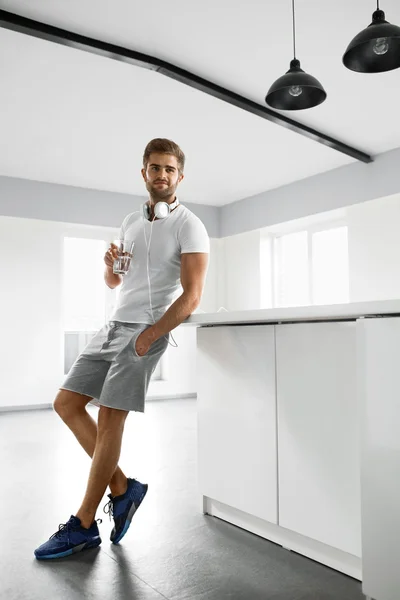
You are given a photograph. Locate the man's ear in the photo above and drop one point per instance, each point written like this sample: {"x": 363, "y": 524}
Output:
{"x": 181, "y": 176}
{"x": 144, "y": 174}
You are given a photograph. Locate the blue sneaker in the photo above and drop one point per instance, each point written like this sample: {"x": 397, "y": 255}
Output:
{"x": 71, "y": 537}
{"x": 123, "y": 507}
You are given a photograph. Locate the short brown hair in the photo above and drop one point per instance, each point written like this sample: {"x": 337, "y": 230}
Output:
{"x": 164, "y": 146}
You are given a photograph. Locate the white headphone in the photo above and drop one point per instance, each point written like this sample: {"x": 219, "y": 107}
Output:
{"x": 161, "y": 209}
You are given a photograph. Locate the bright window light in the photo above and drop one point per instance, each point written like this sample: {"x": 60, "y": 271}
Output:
{"x": 311, "y": 267}
{"x": 84, "y": 287}
{"x": 291, "y": 270}
{"x": 330, "y": 266}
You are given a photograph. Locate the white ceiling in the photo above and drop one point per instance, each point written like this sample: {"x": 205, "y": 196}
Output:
{"x": 70, "y": 117}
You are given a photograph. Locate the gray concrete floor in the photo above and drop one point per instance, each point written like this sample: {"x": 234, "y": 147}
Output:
{"x": 171, "y": 551}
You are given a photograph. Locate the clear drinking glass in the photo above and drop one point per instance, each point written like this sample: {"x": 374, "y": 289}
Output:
{"x": 125, "y": 252}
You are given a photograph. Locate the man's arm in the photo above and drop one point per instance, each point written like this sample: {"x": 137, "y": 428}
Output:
{"x": 112, "y": 280}
{"x": 193, "y": 274}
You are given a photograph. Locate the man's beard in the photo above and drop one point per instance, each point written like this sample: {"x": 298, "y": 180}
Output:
{"x": 160, "y": 194}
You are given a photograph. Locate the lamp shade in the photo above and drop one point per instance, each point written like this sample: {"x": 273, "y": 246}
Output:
{"x": 296, "y": 90}
{"x": 376, "y": 48}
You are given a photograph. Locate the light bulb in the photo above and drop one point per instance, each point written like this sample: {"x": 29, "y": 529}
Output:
{"x": 295, "y": 90}
{"x": 381, "y": 46}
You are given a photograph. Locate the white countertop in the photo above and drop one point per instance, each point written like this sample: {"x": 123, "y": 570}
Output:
{"x": 298, "y": 313}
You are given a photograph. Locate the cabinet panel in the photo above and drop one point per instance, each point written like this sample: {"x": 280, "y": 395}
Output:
{"x": 237, "y": 417}
{"x": 318, "y": 440}
{"x": 379, "y": 376}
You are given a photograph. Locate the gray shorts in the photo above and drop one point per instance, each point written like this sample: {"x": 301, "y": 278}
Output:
{"x": 111, "y": 372}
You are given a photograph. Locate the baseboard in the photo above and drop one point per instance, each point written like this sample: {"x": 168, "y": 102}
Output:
{"x": 331, "y": 557}
{"x": 24, "y": 407}
{"x": 170, "y": 396}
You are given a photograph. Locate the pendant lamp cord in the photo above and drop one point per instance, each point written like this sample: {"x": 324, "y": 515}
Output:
{"x": 294, "y": 30}
{"x": 377, "y": 2}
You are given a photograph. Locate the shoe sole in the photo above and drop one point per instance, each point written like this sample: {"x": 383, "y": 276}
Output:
{"x": 132, "y": 511}
{"x": 93, "y": 544}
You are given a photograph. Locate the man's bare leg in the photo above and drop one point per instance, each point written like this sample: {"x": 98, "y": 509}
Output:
{"x": 71, "y": 407}
{"x": 105, "y": 460}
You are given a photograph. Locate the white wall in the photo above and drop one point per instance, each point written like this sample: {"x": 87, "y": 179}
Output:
{"x": 31, "y": 308}
{"x": 31, "y": 361}
{"x": 374, "y": 249}
{"x": 266, "y": 271}
{"x": 239, "y": 268}
{"x": 212, "y": 289}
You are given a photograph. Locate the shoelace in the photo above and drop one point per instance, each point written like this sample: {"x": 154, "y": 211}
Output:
{"x": 109, "y": 509}
{"x": 67, "y": 528}
{"x": 63, "y": 528}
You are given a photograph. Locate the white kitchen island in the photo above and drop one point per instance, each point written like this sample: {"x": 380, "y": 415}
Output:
{"x": 299, "y": 432}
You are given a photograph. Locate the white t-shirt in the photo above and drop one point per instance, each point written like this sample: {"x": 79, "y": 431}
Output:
{"x": 179, "y": 233}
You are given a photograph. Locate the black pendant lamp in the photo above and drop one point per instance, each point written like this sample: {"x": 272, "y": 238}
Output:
{"x": 375, "y": 49}
{"x": 296, "y": 89}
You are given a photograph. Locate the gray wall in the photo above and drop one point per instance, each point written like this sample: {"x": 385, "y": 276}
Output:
{"x": 341, "y": 187}
{"x": 53, "y": 202}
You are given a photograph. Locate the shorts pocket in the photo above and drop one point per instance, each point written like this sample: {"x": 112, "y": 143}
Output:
{"x": 133, "y": 343}
{"x": 159, "y": 346}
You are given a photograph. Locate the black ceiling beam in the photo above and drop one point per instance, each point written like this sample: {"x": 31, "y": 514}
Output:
{"x": 138, "y": 59}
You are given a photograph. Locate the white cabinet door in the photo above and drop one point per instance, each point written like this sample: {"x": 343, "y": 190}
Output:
{"x": 379, "y": 372}
{"x": 318, "y": 441}
{"x": 237, "y": 418}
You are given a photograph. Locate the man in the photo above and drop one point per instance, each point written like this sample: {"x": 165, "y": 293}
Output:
{"x": 113, "y": 371}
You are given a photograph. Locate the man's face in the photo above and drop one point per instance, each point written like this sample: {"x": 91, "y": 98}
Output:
{"x": 162, "y": 176}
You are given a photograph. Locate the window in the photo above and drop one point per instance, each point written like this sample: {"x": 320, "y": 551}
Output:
{"x": 88, "y": 302}
{"x": 84, "y": 290}
{"x": 291, "y": 270}
{"x": 311, "y": 267}
{"x": 84, "y": 294}
{"x": 330, "y": 266}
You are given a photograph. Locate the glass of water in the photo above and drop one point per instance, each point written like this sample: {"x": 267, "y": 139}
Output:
{"x": 125, "y": 252}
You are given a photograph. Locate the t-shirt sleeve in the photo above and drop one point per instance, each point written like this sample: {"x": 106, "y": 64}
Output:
{"x": 125, "y": 224}
{"x": 193, "y": 237}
